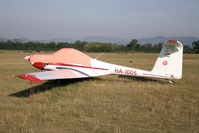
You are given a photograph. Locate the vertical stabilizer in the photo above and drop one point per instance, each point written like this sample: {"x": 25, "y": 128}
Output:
{"x": 170, "y": 59}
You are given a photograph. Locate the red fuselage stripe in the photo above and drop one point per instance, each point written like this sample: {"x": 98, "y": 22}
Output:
{"x": 71, "y": 65}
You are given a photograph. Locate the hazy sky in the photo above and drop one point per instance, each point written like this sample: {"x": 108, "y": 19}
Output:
{"x": 46, "y": 19}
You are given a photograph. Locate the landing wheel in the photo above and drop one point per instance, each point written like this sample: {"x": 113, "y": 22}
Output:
{"x": 171, "y": 82}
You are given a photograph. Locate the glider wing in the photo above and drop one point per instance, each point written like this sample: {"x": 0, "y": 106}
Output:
{"x": 52, "y": 75}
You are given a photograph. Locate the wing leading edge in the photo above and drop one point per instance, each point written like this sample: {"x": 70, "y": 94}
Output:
{"x": 52, "y": 75}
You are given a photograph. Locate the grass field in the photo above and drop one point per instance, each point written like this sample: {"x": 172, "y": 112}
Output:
{"x": 109, "y": 104}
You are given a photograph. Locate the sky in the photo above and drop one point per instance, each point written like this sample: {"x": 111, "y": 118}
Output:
{"x": 47, "y": 19}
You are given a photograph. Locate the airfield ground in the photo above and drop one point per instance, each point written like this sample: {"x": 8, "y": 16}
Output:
{"x": 109, "y": 104}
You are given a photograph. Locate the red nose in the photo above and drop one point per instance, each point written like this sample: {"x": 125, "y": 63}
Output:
{"x": 39, "y": 65}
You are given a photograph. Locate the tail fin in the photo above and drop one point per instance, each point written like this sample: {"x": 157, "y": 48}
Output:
{"x": 170, "y": 59}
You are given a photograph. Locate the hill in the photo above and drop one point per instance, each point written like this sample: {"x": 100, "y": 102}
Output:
{"x": 157, "y": 39}
{"x": 105, "y": 39}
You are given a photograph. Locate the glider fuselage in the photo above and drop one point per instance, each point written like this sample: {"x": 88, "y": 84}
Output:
{"x": 70, "y": 63}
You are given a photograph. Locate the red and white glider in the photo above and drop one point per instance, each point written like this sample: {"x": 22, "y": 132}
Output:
{"x": 69, "y": 63}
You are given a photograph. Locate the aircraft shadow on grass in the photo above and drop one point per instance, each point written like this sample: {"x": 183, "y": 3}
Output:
{"x": 140, "y": 79}
{"x": 65, "y": 82}
{"x": 47, "y": 86}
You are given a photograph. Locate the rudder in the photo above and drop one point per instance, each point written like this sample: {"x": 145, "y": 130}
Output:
{"x": 170, "y": 59}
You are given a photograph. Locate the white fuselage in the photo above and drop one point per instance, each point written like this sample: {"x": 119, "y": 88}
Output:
{"x": 100, "y": 68}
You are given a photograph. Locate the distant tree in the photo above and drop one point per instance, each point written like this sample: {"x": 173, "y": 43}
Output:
{"x": 147, "y": 47}
{"x": 160, "y": 46}
{"x": 187, "y": 49}
{"x": 79, "y": 45}
{"x": 60, "y": 45}
{"x": 91, "y": 47}
{"x": 133, "y": 45}
{"x": 195, "y": 45}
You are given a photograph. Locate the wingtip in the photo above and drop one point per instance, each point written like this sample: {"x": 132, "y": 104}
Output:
{"x": 29, "y": 77}
{"x": 27, "y": 57}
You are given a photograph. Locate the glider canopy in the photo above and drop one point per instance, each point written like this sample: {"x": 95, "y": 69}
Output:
{"x": 64, "y": 55}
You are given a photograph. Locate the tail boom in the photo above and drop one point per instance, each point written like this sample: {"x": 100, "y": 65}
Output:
{"x": 168, "y": 65}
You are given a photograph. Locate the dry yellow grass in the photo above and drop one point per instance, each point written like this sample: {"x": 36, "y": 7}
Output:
{"x": 108, "y": 104}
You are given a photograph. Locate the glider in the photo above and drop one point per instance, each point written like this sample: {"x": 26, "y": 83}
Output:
{"x": 69, "y": 63}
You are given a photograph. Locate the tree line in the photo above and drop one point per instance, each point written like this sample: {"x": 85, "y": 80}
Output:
{"x": 133, "y": 46}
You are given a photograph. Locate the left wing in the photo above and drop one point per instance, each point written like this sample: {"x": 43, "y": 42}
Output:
{"x": 52, "y": 75}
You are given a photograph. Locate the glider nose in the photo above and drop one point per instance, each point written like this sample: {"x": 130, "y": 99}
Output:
{"x": 39, "y": 65}
{"x": 27, "y": 58}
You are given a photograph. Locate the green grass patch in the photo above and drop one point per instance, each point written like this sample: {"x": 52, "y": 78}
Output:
{"x": 108, "y": 104}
